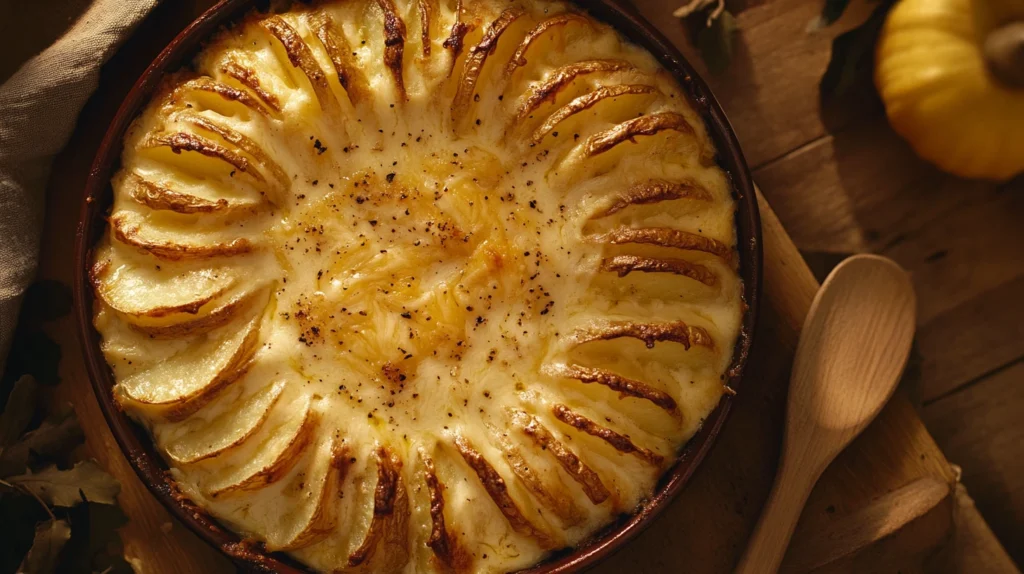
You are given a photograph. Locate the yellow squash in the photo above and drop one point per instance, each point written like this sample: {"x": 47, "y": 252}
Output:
{"x": 951, "y": 74}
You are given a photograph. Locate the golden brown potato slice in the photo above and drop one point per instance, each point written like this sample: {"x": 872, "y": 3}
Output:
{"x": 174, "y": 244}
{"x": 275, "y": 457}
{"x": 180, "y": 386}
{"x": 319, "y": 487}
{"x": 195, "y": 439}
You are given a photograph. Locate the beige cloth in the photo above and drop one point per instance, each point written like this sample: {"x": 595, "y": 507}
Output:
{"x": 39, "y": 105}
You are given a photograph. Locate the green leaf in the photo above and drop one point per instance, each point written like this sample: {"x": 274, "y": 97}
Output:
{"x": 56, "y": 436}
{"x": 50, "y": 537}
{"x": 18, "y": 412}
{"x": 46, "y": 300}
{"x": 853, "y": 55}
{"x": 68, "y": 487}
{"x": 830, "y": 12}
{"x": 715, "y": 42}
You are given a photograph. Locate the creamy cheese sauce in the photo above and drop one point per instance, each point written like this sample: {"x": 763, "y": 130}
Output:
{"x": 321, "y": 320}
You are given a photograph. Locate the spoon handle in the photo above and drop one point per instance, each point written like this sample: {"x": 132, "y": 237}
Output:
{"x": 768, "y": 543}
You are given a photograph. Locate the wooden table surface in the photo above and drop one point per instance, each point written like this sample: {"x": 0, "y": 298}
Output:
{"x": 841, "y": 182}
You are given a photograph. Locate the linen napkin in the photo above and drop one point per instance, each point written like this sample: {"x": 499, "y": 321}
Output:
{"x": 39, "y": 106}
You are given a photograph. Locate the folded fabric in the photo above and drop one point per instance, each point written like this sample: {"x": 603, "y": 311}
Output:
{"x": 39, "y": 105}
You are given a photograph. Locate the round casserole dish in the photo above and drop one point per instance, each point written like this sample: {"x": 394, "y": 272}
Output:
{"x": 138, "y": 446}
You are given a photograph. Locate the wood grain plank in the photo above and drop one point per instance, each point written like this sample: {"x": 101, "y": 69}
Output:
{"x": 980, "y": 429}
{"x": 770, "y": 90}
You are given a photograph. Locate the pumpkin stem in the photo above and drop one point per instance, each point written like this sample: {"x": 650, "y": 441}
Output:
{"x": 1004, "y": 54}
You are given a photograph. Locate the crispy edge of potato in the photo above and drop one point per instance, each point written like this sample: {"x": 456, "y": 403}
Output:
{"x": 129, "y": 233}
{"x": 351, "y": 78}
{"x": 427, "y": 10}
{"x": 228, "y": 93}
{"x": 282, "y": 463}
{"x": 560, "y": 504}
{"x": 649, "y": 333}
{"x": 325, "y": 515}
{"x": 218, "y": 317}
{"x": 585, "y": 102}
{"x": 250, "y": 79}
{"x": 623, "y": 265}
{"x": 276, "y": 390}
{"x": 301, "y": 57}
{"x": 629, "y": 130}
{"x": 100, "y": 267}
{"x": 394, "y": 45}
{"x": 389, "y": 524}
{"x": 619, "y": 442}
{"x": 625, "y": 386}
{"x": 518, "y": 58}
{"x": 666, "y": 237}
{"x": 562, "y": 77}
{"x": 183, "y": 141}
{"x": 443, "y": 543}
{"x": 244, "y": 143}
{"x": 578, "y": 470}
{"x": 496, "y": 488}
{"x": 159, "y": 198}
{"x": 474, "y": 64}
{"x": 457, "y": 36}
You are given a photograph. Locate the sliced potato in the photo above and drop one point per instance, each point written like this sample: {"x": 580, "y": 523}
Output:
{"x": 197, "y": 440}
{"x": 178, "y": 387}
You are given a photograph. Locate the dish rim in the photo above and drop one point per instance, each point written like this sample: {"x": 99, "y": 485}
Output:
{"x": 138, "y": 447}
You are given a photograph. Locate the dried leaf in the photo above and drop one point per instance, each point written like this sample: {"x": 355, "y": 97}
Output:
{"x": 58, "y": 434}
{"x": 36, "y": 354}
{"x": 715, "y": 42}
{"x": 18, "y": 412}
{"x": 853, "y": 55}
{"x": 96, "y": 544}
{"x": 830, "y": 12}
{"x": 43, "y": 557}
{"x": 46, "y": 300}
{"x": 68, "y": 487}
{"x": 19, "y": 513}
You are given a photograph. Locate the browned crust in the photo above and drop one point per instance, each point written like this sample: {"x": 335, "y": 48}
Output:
{"x": 250, "y": 79}
{"x": 552, "y": 497}
{"x": 394, "y": 44}
{"x": 302, "y": 58}
{"x": 564, "y": 76}
{"x": 390, "y": 514}
{"x": 649, "y": 333}
{"x": 129, "y": 234}
{"x": 498, "y": 491}
{"x": 443, "y": 543}
{"x": 666, "y": 237}
{"x": 283, "y": 463}
{"x": 585, "y": 102}
{"x": 245, "y": 143}
{"x": 626, "y": 387}
{"x": 427, "y": 10}
{"x": 216, "y": 318}
{"x": 518, "y": 59}
{"x": 631, "y": 129}
{"x": 654, "y": 191}
{"x": 455, "y": 40}
{"x": 350, "y": 76}
{"x": 625, "y": 264}
{"x": 588, "y": 480}
{"x": 206, "y": 84}
{"x": 160, "y": 198}
{"x": 621, "y": 443}
{"x": 474, "y": 64}
{"x": 235, "y": 443}
{"x": 325, "y": 516}
{"x": 181, "y": 141}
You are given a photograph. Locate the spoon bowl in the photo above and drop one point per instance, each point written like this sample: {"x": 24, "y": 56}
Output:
{"x": 852, "y": 350}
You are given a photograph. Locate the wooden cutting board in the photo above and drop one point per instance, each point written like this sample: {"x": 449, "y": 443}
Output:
{"x": 892, "y": 483}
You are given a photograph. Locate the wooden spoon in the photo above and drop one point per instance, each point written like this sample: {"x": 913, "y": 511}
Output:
{"x": 851, "y": 353}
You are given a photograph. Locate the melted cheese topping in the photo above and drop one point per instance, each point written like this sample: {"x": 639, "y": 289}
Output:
{"x": 404, "y": 287}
